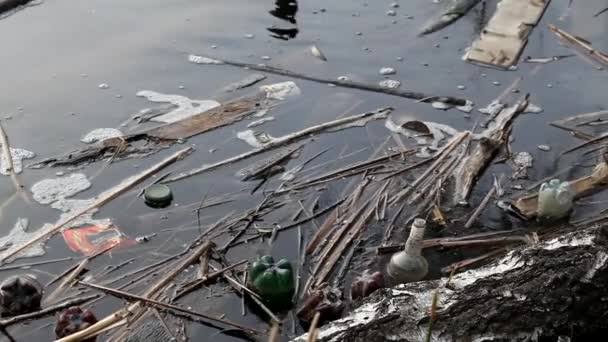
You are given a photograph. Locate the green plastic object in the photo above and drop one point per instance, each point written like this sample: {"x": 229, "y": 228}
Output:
{"x": 158, "y": 195}
{"x": 272, "y": 281}
{"x": 555, "y": 200}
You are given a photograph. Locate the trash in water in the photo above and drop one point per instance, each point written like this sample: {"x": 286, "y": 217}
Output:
{"x": 534, "y": 109}
{"x": 544, "y": 148}
{"x": 366, "y": 284}
{"x": 409, "y": 265}
{"x": 456, "y": 10}
{"x": 425, "y": 133}
{"x": 280, "y": 91}
{"x": 73, "y": 320}
{"x": 203, "y": 60}
{"x": 260, "y": 121}
{"x": 185, "y": 106}
{"x": 253, "y": 138}
{"x": 317, "y": 53}
{"x": 92, "y": 239}
{"x": 389, "y": 84}
{"x": 387, "y": 71}
{"x": 555, "y": 200}
{"x": 493, "y": 108}
{"x": 326, "y": 301}
{"x": 20, "y": 294}
{"x": 274, "y": 282}
{"x": 244, "y": 83}
{"x": 506, "y": 33}
{"x": 18, "y": 155}
{"x": 523, "y": 161}
{"x": 100, "y": 134}
{"x": 19, "y": 235}
{"x": 158, "y": 196}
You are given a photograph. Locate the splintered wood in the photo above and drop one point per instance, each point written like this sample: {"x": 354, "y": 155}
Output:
{"x": 506, "y": 34}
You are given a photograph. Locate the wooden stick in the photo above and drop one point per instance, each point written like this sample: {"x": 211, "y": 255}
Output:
{"x": 170, "y": 307}
{"x": 37, "y": 263}
{"x": 347, "y": 84}
{"x": 46, "y": 311}
{"x": 275, "y": 333}
{"x": 205, "y": 279}
{"x": 120, "y": 315}
{"x": 313, "y": 331}
{"x": 8, "y": 157}
{"x": 102, "y": 200}
{"x": 286, "y": 139}
{"x": 67, "y": 281}
{"x": 480, "y": 209}
{"x": 567, "y": 37}
{"x": 442, "y": 155}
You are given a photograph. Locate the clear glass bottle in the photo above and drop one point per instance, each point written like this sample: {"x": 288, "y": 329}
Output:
{"x": 409, "y": 265}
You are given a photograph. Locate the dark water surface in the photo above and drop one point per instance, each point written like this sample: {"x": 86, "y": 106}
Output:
{"x": 54, "y": 56}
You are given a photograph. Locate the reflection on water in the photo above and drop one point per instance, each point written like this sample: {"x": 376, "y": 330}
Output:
{"x": 285, "y": 10}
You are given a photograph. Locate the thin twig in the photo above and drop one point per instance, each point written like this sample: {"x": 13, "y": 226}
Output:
{"x": 348, "y": 84}
{"x": 46, "y": 311}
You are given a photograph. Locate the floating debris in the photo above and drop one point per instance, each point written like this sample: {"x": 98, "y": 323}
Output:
{"x": 269, "y": 166}
{"x": 103, "y": 86}
{"x": 534, "y": 109}
{"x": 280, "y": 91}
{"x": 20, "y": 294}
{"x": 390, "y": 84}
{"x": 90, "y": 240}
{"x": 17, "y": 236}
{"x": 428, "y": 134}
{"x": 387, "y": 71}
{"x": 254, "y": 139}
{"x": 456, "y": 10}
{"x": 545, "y": 148}
{"x": 461, "y": 87}
{"x": 318, "y": 53}
{"x": 266, "y": 58}
{"x": 343, "y": 78}
{"x": 244, "y": 83}
{"x": 274, "y": 282}
{"x": 158, "y": 196}
{"x": 555, "y": 200}
{"x": 147, "y": 114}
{"x": 366, "y": 284}
{"x": 18, "y": 155}
{"x": 203, "y": 60}
{"x": 391, "y": 13}
{"x": 260, "y": 121}
{"x": 546, "y": 60}
{"x": 100, "y": 134}
{"x": 523, "y": 161}
{"x": 506, "y": 33}
{"x": 493, "y": 108}
{"x": 409, "y": 265}
{"x": 249, "y": 36}
{"x": 73, "y": 320}
{"x": 185, "y": 106}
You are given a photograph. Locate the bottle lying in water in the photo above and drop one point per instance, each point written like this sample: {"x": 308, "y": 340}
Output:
{"x": 555, "y": 200}
{"x": 409, "y": 265}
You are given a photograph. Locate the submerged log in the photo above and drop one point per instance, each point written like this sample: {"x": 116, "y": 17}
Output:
{"x": 555, "y": 288}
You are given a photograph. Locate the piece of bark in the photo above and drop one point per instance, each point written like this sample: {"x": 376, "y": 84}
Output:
{"x": 491, "y": 140}
{"x": 550, "y": 289}
{"x": 577, "y": 43}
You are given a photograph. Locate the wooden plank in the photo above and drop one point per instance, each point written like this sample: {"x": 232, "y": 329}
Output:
{"x": 506, "y": 34}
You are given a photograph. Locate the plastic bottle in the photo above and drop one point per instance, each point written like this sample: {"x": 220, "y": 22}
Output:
{"x": 409, "y": 265}
{"x": 555, "y": 200}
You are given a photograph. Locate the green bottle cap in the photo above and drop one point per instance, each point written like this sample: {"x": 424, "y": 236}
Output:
{"x": 158, "y": 196}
